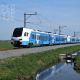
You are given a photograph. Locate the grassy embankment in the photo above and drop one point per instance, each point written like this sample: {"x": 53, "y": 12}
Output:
{"x": 4, "y": 45}
{"x": 77, "y": 64}
{"x": 25, "y": 67}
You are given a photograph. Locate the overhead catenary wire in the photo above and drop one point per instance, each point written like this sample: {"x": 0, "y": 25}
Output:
{"x": 42, "y": 20}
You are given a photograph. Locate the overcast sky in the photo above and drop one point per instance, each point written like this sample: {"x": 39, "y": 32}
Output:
{"x": 51, "y": 15}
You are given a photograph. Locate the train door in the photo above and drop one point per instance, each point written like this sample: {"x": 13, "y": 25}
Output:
{"x": 51, "y": 39}
{"x": 38, "y": 39}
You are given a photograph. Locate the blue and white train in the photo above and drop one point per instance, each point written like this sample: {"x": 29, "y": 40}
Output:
{"x": 30, "y": 37}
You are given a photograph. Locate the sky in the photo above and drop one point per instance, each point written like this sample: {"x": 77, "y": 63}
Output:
{"x": 50, "y": 15}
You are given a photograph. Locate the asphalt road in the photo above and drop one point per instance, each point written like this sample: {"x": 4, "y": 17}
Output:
{"x": 25, "y": 51}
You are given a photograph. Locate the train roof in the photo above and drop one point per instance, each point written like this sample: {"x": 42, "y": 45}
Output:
{"x": 46, "y": 32}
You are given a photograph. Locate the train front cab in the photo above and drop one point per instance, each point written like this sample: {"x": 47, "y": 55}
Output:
{"x": 17, "y": 37}
{"x": 20, "y": 37}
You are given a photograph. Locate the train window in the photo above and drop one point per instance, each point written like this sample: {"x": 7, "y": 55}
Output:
{"x": 17, "y": 32}
{"x": 33, "y": 36}
{"x": 26, "y": 34}
{"x": 60, "y": 39}
{"x": 38, "y": 37}
{"x": 43, "y": 37}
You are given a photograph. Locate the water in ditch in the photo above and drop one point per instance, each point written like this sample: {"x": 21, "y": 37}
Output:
{"x": 66, "y": 73}
{"x": 60, "y": 72}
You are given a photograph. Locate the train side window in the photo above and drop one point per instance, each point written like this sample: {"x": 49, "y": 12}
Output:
{"x": 25, "y": 34}
{"x": 32, "y": 36}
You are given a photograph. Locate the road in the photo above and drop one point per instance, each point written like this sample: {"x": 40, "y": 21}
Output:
{"x": 25, "y": 51}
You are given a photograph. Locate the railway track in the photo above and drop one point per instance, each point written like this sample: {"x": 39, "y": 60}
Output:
{"x": 26, "y": 51}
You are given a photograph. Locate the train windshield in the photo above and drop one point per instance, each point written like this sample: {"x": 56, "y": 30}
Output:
{"x": 17, "y": 32}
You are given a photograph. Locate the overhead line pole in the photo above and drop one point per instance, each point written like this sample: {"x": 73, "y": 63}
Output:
{"x": 29, "y": 15}
{"x": 75, "y": 33}
{"x": 60, "y": 27}
{"x": 59, "y": 30}
{"x": 24, "y": 19}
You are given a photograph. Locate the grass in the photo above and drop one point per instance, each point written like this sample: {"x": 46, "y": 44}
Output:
{"x": 5, "y": 45}
{"x": 77, "y": 64}
{"x": 26, "y": 66}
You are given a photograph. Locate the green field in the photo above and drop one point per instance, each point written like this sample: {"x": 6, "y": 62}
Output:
{"x": 5, "y": 45}
{"x": 25, "y": 67}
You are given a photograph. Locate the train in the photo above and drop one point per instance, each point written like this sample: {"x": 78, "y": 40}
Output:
{"x": 26, "y": 37}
